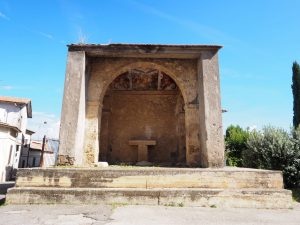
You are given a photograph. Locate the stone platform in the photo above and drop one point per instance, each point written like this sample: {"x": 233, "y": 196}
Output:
{"x": 226, "y": 187}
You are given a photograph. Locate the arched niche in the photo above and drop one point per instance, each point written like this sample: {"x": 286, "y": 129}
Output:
{"x": 142, "y": 104}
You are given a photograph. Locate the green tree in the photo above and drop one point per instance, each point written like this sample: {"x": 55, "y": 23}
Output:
{"x": 296, "y": 94}
{"x": 235, "y": 142}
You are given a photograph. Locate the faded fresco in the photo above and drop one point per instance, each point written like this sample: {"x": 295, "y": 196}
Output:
{"x": 143, "y": 80}
{"x": 122, "y": 82}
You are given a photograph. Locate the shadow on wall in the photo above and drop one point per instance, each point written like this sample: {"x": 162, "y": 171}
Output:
{"x": 10, "y": 173}
{"x": 6, "y": 185}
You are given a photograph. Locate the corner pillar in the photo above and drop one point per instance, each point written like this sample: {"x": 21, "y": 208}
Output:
{"x": 211, "y": 132}
{"x": 73, "y": 111}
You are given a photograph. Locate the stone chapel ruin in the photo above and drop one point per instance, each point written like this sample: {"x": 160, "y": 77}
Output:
{"x": 127, "y": 103}
{"x": 143, "y": 104}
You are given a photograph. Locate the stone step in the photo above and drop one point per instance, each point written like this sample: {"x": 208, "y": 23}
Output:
{"x": 149, "y": 177}
{"x": 245, "y": 198}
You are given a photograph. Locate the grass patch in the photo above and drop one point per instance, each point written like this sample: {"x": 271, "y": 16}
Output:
{"x": 173, "y": 204}
{"x": 296, "y": 194}
{"x": 213, "y": 206}
{"x": 114, "y": 166}
{"x": 115, "y": 205}
{"x": 170, "y": 204}
{"x": 69, "y": 167}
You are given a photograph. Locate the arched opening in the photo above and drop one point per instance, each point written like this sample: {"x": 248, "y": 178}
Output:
{"x": 143, "y": 113}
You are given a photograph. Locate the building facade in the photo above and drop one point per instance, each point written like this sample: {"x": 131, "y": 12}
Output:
{"x": 14, "y": 113}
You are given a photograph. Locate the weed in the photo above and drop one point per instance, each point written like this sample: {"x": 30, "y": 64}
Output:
{"x": 180, "y": 204}
{"x": 170, "y": 204}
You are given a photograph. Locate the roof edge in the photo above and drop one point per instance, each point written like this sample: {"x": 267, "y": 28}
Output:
{"x": 10, "y": 126}
{"x": 83, "y": 47}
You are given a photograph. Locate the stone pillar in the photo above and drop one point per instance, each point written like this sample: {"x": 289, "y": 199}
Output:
{"x": 104, "y": 135}
{"x": 211, "y": 134}
{"x": 181, "y": 137}
{"x": 91, "y": 144}
{"x": 73, "y": 111}
{"x": 193, "y": 145}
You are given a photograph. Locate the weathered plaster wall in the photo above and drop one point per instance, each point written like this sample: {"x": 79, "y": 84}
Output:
{"x": 9, "y": 155}
{"x": 141, "y": 115}
{"x": 14, "y": 115}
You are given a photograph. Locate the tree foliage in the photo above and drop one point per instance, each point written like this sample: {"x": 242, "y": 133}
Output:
{"x": 235, "y": 142}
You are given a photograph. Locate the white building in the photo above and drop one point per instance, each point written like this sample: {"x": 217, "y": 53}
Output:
{"x": 31, "y": 156}
{"x": 14, "y": 113}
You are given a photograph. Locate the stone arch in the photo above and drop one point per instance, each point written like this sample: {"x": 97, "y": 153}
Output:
{"x": 104, "y": 71}
{"x": 170, "y": 136}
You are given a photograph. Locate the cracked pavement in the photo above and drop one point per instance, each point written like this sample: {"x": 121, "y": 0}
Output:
{"x": 138, "y": 214}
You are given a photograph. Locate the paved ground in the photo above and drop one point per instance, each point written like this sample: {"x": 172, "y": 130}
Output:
{"x": 55, "y": 214}
{"x": 142, "y": 215}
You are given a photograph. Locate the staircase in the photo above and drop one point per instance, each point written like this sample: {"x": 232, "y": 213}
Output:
{"x": 226, "y": 187}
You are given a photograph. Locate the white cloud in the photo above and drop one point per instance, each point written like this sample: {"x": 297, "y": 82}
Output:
{"x": 6, "y": 87}
{"x": 204, "y": 31}
{"x": 49, "y": 36}
{"x": 3, "y": 16}
{"x": 43, "y": 123}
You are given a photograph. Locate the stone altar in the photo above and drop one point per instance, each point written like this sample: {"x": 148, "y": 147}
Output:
{"x": 142, "y": 148}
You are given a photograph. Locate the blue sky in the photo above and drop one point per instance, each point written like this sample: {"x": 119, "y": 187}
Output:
{"x": 261, "y": 40}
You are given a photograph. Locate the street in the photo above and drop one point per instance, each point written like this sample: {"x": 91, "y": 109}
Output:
{"x": 146, "y": 215}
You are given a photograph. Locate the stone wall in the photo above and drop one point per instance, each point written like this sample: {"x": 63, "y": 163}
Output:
{"x": 129, "y": 115}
